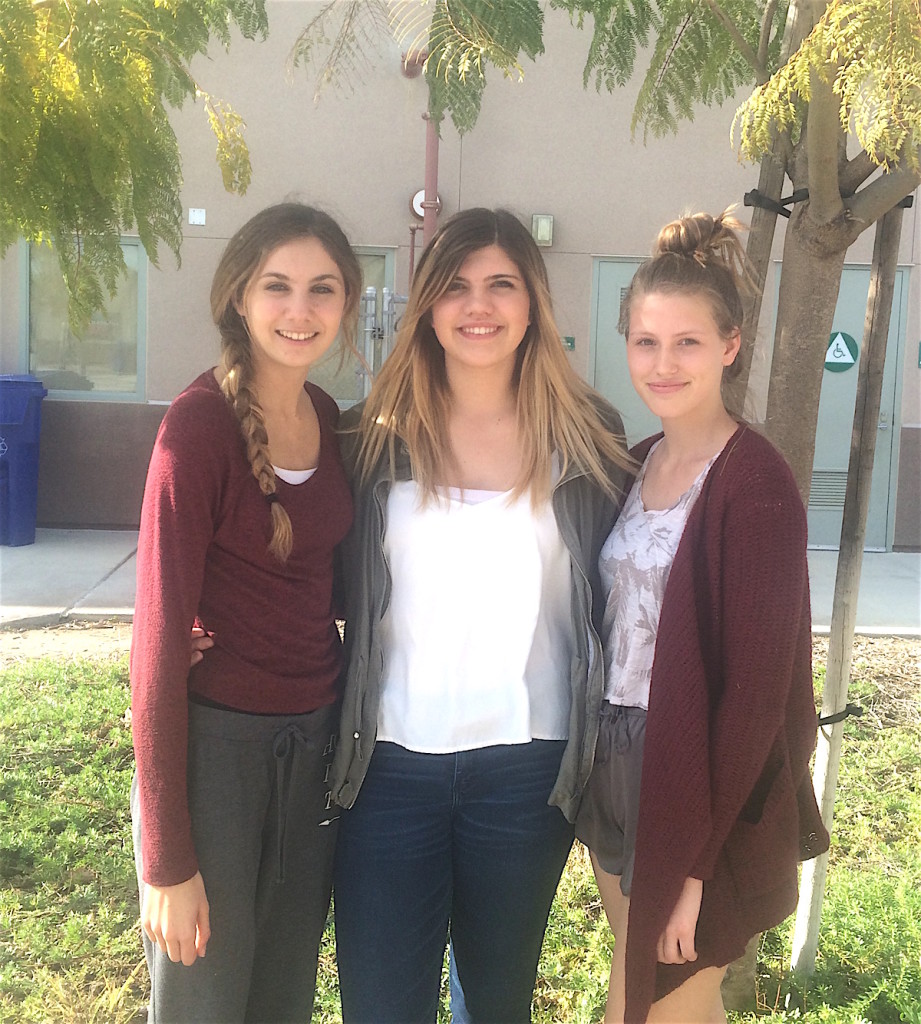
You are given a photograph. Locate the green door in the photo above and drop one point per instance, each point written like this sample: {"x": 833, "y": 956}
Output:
{"x": 608, "y": 352}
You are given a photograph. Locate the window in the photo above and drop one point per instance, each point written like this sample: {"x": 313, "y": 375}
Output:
{"x": 344, "y": 380}
{"x": 107, "y": 363}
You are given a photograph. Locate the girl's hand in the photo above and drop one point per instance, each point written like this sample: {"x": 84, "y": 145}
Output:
{"x": 175, "y": 917}
{"x": 676, "y": 943}
{"x": 199, "y": 642}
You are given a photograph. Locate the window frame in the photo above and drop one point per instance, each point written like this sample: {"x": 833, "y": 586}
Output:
{"x": 139, "y": 394}
{"x": 389, "y": 252}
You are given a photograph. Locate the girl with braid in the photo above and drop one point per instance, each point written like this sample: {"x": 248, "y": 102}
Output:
{"x": 700, "y": 802}
{"x": 244, "y": 505}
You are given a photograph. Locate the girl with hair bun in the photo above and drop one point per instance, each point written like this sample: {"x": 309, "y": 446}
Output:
{"x": 245, "y": 502}
{"x": 700, "y": 802}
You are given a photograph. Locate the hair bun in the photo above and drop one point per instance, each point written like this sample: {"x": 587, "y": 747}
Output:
{"x": 700, "y": 237}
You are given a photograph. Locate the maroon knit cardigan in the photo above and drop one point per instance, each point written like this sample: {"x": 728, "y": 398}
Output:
{"x": 726, "y": 794}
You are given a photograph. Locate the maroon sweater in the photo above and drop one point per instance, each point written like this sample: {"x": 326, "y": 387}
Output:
{"x": 203, "y": 556}
{"x": 726, "y": 794}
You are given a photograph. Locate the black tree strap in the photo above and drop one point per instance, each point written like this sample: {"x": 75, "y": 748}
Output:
{"x": 850, "y": 709}
{"x": 756, "y": 198}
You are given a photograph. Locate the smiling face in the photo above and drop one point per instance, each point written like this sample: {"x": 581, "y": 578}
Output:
{"x": 676, "y": 355}
{"x": 484, "y": 314}
{"x": 293, "y": 306}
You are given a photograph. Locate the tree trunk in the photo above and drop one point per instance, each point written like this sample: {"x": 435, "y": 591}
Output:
{"x": 758, "y": 252}
{"x": 739, "y": 988}
{"x": 813, "y": 259}
{"x": 801, "y": 17}
{"x": 847, "y": 580}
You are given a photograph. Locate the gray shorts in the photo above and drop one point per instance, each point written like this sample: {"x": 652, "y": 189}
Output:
{"x": 606, "y": 822}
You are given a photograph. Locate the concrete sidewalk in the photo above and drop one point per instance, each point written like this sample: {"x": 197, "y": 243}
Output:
{"x": 89, "y": 575}
{"x": 68, "y": 575}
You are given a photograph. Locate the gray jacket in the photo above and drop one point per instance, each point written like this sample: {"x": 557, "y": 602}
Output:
{"x": 585, "y": 515}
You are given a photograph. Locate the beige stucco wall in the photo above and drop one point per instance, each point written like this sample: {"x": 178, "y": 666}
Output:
{"x": 543, "y": 145}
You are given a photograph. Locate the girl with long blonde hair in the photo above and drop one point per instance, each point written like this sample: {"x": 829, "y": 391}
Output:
{"x": 485, "y": 476}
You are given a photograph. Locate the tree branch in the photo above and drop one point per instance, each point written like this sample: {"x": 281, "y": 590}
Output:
{"x": 880, "y": 196}
{"x": 758, "y": 66}
{"x": 856, "y": 171}
{"x": 823, "y": 131}
{"x": 764, "y": 40}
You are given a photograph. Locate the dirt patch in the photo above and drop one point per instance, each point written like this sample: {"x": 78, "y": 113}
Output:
{"x": 66, "y": 640}
{"x": 892, "y": 666}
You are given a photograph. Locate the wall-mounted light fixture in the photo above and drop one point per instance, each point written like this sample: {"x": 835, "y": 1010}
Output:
{"x": 542, "y": 228}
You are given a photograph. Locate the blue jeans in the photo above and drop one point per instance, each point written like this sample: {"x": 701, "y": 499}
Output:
{"x": 466, "y": 840}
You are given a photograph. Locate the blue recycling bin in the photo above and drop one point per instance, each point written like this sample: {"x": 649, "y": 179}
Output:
{"x": 20, "y": 424}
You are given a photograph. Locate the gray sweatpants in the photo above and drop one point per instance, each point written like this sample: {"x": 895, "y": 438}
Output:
{"x": 264, "y": 835}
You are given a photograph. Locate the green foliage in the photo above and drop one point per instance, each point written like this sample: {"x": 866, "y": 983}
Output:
{"x": 348, "y": 32}
{"x": 694, "y": 61}
{"x": 868, "y": 969}
{"x": 70, "y": 949}
{"x": 232, "y": 154}
{"x": 703, "y": 51}
{"x": 457, "y": 38}
{"x": 86, "y": 148}
{"x": 696, "y": 57}
{"x": 467, "y": 35}
{"x": 871, "y": 51}
{"x": 619, "y": 30}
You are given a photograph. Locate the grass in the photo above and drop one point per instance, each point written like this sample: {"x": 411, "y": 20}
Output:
{"x": 69, "y": 942}
{"x": 69, "y": 949}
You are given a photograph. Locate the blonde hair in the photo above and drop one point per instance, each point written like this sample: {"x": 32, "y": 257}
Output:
{"x": 410, "y": 400}
{"x": 245, "y": 255}
{"x": 696, "y": 255}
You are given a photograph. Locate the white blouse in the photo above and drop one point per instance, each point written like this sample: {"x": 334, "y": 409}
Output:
{"x": 477, "y": 638}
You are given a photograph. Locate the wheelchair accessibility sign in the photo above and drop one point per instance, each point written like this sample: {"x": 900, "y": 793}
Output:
{"x": 842, "y": 352}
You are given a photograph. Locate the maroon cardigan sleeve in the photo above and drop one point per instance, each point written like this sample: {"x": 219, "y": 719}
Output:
{"x": 763, "y": 579}
{"x": 179, "y": 512}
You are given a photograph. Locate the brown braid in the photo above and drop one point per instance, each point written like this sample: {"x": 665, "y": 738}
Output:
{"x": 238, "y": 390}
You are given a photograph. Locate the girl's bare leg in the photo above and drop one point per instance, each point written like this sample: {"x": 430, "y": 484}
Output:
{"x": 697, "y": 1001}
{"x": 616, "y": 906}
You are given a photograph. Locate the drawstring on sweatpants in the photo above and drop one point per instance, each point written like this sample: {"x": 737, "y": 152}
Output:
{"x": 285, "y": 748}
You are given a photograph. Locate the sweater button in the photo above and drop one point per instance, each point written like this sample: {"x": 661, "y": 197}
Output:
{"x": 356, "y": 735}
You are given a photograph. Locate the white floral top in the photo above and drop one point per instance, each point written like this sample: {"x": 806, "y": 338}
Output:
{"x": 634, "y": 564}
